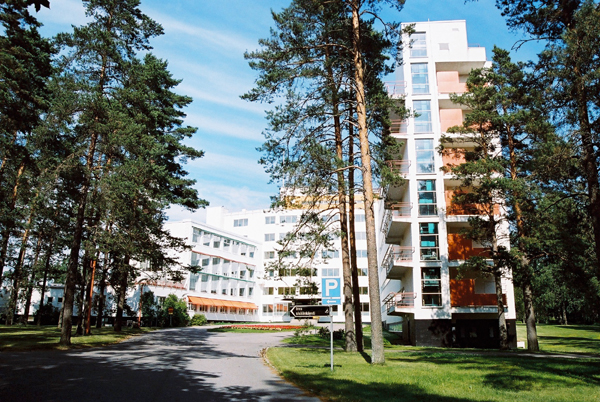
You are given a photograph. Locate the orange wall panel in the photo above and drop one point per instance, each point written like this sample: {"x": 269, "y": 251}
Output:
{"x": 450, "y": 118}
{"x": 462, "y": 294}
{"x": 461, "y": 248}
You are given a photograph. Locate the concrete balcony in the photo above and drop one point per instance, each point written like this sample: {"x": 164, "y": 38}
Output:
{"x": 399, "y": 166}
{"x": 398, "y": 260}
{"x": 399, "y": 303}
{"x": 396, "y": 220}
{"x": 395, "y": 89}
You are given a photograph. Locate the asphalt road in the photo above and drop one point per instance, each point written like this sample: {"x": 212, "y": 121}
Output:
{"x": 188, "y": 364}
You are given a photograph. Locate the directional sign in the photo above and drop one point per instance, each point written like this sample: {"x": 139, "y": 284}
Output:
{"x": 309, "y": 311}
{"x": 331, "y": 290}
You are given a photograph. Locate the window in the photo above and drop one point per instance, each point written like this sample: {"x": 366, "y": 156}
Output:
{"x": 361, "y": 253}
{"x": 425, "y": 156}
{"x": 196, "y": 233}
{"x": 420, "y": 78}
{"x": 359, "y": 218}
{"x": 267, "y": 291}
{"x": 330, "y": 272}
{"x": 360, "y": 236}
{"x": 49, "y": 299}
{"x": 362, "y": 272}
{"x": 282, "y": 236}
{"x": 224, "y": 292}
{"x": 240, "y": 222}
{"x": 59, "y": 299}
{"x": 250, "y": 290}
{"x": 429, "y": 244}
{"x": 269, "y": 255}
{"x": 431, "y": 287}
{"x": 195, "y": 259}
{"x": 269, "y": 220}
{"x": 330, "y": 253}
{"x": 286, "y": 291}
{"x": 205, "y": 262}
{"x": 268, "y": 309}
{"x": 217, "y": 242}
{"x": 242, "y": 291}
{"x": 427, "y": 197}
{"x": 193, "y": 280}
{"x": 232, "y": 292}
{"x": 363, "y": 290}
{"x": 269, "y": 236}
{"x": 422, "y": 110}
{"x": 216, "y": 260}
{"x": 418, "y": 44}
{"x": 288, "y": 219}
{"x": 364, "y": 307}
{"x": 226, "y": 243}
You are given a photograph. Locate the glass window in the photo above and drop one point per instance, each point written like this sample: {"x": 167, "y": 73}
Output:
{"x": 269, "y": 220}
{"x": 330, "y": 272}
{"x": 431, "y": 287}
{"x": 362, "y": 272}
{"x": 427, "y": 197}
{"x": 269, "y": 236}
{"x": 425, "y": 156}
{"x": 269, "y": 255}
{"x": 420, "y": 78}
{"x": 422, "y": 109}
{"x": 429, "y": 243}
{"x": 418, "y": 44}
{"x": 288, "y": 219}
{"x": 330, "y": 253}
{"x": 197, "y": 233}
{"x": 364, "y": 307}
{"x": 240, "y": 222}
{"x": 359, "y": 218}
{"x": 193, "y": 280}
{"x": 361, "y": 254}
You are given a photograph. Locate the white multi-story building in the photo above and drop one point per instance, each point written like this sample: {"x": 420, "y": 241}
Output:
{"x": 279, "y": 289}
{"x": 421, "y": 289}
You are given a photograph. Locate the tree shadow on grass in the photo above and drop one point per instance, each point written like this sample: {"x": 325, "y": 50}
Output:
{"x": 345, "y": 389}
{"x": 579, "y": 345}
{"x": 518, "y": 373}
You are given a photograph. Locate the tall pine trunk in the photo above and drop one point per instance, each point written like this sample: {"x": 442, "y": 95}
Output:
{"x": 122, "y": 294}
{"x": 377, "y": 356}
{"x": 9, "y": 226}
{"x": 352, "y": 239}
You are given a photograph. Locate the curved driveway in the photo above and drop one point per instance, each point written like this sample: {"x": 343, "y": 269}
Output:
{"x": 188, "y": 364}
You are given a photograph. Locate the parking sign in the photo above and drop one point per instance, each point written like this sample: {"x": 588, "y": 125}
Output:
{"x": 331, "y": 290}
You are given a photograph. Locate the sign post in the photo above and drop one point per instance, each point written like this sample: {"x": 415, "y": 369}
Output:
{"x": 309, "y": 311}
{"x": 331, "y": 294}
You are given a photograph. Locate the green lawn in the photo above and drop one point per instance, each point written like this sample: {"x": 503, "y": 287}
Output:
{"x": 20, "y": 337}
{"x": 435, "y": 374}
{"x": 565, "y": 338}
{"x": 439, "y": 376}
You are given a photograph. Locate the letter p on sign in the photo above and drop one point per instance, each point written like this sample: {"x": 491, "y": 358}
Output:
{"x": 331, "y": 287}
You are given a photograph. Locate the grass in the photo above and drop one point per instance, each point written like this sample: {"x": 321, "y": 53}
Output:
{"x": 312, "y": 339}
{"x": 18, "y": 338}
{"x": 438, "y": 376}
{"x": 565, "y": 338}
{"x": 247, "y": 330}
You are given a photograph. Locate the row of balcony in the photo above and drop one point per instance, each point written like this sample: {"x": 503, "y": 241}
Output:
{"x": 462, "y": 294}
{"x": 399, "y": 259}
{"x": 448, "y": 82}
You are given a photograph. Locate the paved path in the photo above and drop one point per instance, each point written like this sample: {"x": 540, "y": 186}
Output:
{"x": 188, "y": 364}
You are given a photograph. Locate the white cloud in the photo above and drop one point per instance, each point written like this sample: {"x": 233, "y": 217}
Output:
{"x": 229, "y": 100}
{"x": 231, "y": 166}
{"x": 225, "y": 41}
{"x": 64, "y": 12}
{"x": 234, "y": 198}
{"x": 247, "y": 130}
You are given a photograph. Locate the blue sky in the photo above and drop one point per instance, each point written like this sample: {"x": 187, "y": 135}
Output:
{"x": 204, "y": 43}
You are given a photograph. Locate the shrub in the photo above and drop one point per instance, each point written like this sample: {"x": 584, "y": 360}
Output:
{"x": 198, "y": 319}
{"x": 337, "y": 335}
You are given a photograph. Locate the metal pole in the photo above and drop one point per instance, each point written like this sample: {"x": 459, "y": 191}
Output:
{"x": 331, "y": 333}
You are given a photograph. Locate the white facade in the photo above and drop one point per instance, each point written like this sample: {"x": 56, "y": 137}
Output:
{"x": 423, "y": 246}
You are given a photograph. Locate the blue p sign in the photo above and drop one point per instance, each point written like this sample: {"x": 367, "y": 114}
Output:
{"x": 331, "y": 290}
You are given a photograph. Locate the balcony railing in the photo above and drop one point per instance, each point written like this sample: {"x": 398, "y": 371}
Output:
{"x": 399, "y": 126}
{"x": 402, "y": 254}
{"x": 400, "y": 166}
{"x": 401, "y": 299}
{"x": 399, "y": 209}
{"x": 395, "y": 88}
